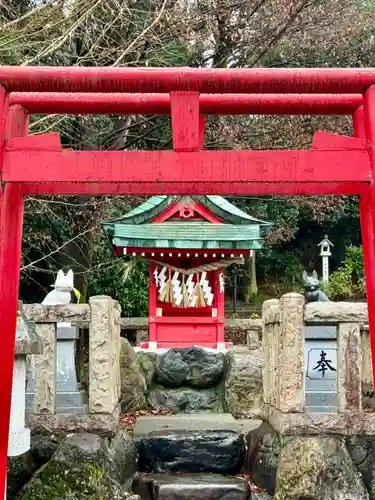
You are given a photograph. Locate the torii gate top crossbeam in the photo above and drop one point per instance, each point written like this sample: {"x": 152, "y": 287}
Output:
{"x": 204, "y": 80}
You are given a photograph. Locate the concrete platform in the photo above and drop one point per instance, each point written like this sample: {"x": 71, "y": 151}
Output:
{"x": 199, "y": 422}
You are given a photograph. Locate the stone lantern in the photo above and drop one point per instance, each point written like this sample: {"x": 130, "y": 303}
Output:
{"x": 325, "y": 253}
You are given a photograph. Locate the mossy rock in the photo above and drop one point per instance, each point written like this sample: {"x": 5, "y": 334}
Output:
{"x": 81, "y": 480}
{"x": 43, "y": 448}
{"x": 133, "y": 384}
{"x": 147, "y": 362}
{"x": 243, "y": 385}
{"x": 186, "y": 399}
{"x": 362, "y": 452}
{"x": 19, "y": 471}
{"x": 84, "y": 467}
{"x": 263, "y": 450}
{"x": 317, "y": 468}
{"x": 192, "y": 367}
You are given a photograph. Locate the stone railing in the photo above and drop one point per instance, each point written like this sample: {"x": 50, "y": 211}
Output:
{"x": 315, "y": 361}
{"x": 100, "y": 411}
{"x": 237, "y": 331}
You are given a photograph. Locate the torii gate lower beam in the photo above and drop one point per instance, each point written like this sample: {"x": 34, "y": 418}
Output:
{"x": 23, "y": 162}
{"x": 225, "y": 189}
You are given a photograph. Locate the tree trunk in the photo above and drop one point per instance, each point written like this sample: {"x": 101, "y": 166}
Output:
{"x": 252, "y": 287}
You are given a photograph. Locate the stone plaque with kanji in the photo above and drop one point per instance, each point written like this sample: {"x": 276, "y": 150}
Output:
{"x": 321, "y": 376}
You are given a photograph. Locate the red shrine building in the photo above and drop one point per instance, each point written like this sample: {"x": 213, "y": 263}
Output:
{"x": 188, "y": 241}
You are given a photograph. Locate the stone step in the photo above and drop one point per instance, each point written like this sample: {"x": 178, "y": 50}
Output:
{"x": 220, "y": 452}
{"x": 202, "y": 421}
{"x": 192, "y": 443}
{"x": 190, "y": 487}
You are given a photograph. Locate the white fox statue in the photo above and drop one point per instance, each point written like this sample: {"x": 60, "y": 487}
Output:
{"x": 63, "y": 292}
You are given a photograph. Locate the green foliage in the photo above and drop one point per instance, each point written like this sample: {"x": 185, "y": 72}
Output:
{"x": 123, "y": 280}
{"x": 281, "y": 270}
{"x": 65, "y": 231}
{"x": 347, "y": 282}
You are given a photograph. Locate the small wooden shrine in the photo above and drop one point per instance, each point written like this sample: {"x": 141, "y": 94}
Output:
{"x": 188, "y": 242}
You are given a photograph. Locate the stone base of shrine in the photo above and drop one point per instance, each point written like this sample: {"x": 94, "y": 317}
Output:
{"x": 155, "y": 346}
{"x": 345, "y": 423}
{"x": 103, "y": 424}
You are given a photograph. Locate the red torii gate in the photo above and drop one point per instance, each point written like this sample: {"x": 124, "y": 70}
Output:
{"x": 38, "y": 165}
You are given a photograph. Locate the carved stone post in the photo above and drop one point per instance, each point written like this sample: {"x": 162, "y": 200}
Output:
{"x": 45, "y": 371}
{"x": 268, "y": 341}
{"x": 104, "y": 369}
{"x": 290, "y": 376}
{"x": 349, "y": 367}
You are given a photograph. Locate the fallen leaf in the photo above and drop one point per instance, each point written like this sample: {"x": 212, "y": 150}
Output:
{"x": 128, "y": 420}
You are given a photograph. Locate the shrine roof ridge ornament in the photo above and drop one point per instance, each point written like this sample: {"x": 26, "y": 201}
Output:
{"x": 204, "y": 80}
{"x": 155, "y": 205}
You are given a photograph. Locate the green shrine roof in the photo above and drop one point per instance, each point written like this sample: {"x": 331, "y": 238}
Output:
{"x": 238, "y": 230}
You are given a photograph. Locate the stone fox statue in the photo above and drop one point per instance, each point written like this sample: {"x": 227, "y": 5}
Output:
{"x": 311, "y": 284}
{"x": 64, "y": 291}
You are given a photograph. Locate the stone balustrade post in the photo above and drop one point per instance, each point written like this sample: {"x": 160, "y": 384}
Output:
{"x": 290, "y": 355}
{"x": 367, "y": 377}
{"x": 268, "y": 342}
{"x": 45, "y": 370}
{"x": 116, "y": 337}
{"x": 104, "y": 352}
{"x": 349, "y": 367}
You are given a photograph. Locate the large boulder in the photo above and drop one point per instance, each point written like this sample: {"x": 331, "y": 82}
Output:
{"x": 121, "y": 457}
{"x": 82, "y": 468}
{"x": 317, "y": 468}
{"x": 362, "y": 452}
{"x": 263, "y": 450}
{"x": 220, "y": 452}
{"x": 43, "y": 447}
{"x": 260, "y": 495}
{"x": 19, "y": 471}
{"x": 243, "y": 386}
{"x": 133, "y": 384}
{"x": 147, "y": 362}
{"x": 185, "y": 400}
{"x": 190, "y": 366}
